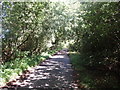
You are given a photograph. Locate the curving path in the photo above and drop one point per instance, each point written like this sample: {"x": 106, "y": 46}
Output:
{"x": 54, "y": 73}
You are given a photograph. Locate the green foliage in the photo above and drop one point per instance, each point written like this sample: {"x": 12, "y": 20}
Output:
{"x": 98, "y": 42}
{"x": 85, "y": 79}
{"x": 30, "y": 28}
{"x": 76, "y": 60}
{"x": 28, "y": 31}
{"x": 98, "y": 35}
{"x": 92, "y": 79}
{"x": 15, "y": 67}
{"x": 23, "y": 29}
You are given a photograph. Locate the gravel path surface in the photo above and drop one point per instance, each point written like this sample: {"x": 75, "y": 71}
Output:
{"x": 54, "y": 73}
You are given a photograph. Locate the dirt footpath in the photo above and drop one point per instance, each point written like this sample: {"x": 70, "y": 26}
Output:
{"x": 54, "y": 73}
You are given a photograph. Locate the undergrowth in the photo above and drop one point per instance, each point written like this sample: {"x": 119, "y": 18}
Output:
{"x": 89, "y": 78}
{"x": 10, "y": 70}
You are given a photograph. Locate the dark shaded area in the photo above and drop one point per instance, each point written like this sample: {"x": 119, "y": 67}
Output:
{"x": 92, "y": 77}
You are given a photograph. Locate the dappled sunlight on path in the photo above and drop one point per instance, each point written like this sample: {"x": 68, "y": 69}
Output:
{"x": 56, "y": 72}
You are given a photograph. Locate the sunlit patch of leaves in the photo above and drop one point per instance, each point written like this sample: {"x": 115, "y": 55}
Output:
{"x": 9, "y": 70}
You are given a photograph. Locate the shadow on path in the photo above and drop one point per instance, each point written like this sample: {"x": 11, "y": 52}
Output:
{"x": 55, "y": 73}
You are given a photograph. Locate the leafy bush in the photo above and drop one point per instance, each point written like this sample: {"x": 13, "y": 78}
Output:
{"x": 10, "y": 69}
